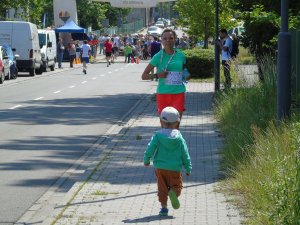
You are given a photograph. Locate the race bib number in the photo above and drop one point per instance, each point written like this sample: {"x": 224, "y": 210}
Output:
{"x": 174, "y": 78}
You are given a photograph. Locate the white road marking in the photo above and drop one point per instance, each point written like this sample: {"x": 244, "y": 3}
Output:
{"x": 56, "y": 92}
{"x": 102, "y": 75}
{"x": 16, "y": 106}
{"x": 39, "y": 98}
{"x": 94, "y": 78}
{"x": 72, "y": 86}
{"x": 116, "y": 70}
{"x": 83, "y": 82}
{"x": 109, "y": 72}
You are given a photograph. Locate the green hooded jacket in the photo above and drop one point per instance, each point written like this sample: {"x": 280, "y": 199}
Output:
{"x": 169, "y": 151}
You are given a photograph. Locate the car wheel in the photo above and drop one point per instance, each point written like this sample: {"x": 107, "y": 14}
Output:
{"x": 32, "y": 72}
{"x": 16, "y": 73}
{"x": 39, "y": 71}
{"x": 8, "y": 76}
{"x": 1, "y": 77}
{"x": 46, "y": 68}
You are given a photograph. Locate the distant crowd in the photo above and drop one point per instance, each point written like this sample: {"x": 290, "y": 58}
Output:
{"x": 137, "y": 45}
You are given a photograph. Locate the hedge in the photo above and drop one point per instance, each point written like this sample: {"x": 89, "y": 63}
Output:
{"x": 200, "y": 62}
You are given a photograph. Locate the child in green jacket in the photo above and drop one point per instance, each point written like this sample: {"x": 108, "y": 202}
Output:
{"x": 170, "y": 153}
{"x": 128, "y": 53}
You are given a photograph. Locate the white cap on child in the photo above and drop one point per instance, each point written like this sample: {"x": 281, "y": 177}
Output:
{"x": 170, "y": 115}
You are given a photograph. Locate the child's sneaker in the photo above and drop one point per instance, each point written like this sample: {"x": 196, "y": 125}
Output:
{"x": 163, "y": 212}
{"x": 174, "y": 199}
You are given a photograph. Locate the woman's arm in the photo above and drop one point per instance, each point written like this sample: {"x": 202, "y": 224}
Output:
{"x": 146, "y": 73}
{"x": 147, "y": 76}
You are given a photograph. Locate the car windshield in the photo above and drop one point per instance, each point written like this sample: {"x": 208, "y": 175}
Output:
{"x": 42, "y": 39}
{"x": 152, "y": 28}
{"x": 9, "y": 52}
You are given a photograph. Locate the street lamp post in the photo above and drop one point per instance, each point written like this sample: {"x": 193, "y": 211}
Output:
{"x": 284, "y": 66}
{"x": 217, "y": 51}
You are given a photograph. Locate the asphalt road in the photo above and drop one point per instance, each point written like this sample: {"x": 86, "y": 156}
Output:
{"x": 49, "y": 121}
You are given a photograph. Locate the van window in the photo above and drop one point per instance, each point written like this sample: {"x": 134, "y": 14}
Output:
{"x": 4, "y": 52}
{"x": 42, "y": 39}
{"x": 48, "y": 38}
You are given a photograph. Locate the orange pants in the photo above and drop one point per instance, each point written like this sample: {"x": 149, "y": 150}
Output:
{"x": 167, "y": 180}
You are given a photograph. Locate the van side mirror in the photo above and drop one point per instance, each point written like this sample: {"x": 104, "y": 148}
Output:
{"x": 49, "y": 44}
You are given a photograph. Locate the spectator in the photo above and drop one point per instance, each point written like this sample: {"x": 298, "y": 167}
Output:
{"x": 72, "y": 52}
{"x": 235, "y": 46}
{"x": 225, "y": 44}
{"x": 60, "y": 52}
{"x": 128, "y": 53}
{"x": 155, "y": 47}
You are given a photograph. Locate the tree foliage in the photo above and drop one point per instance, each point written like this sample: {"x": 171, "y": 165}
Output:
{"x": 6, "y": 4}
{"x": 89, "y": 13}
{"x": 262, "y": 23}
{"x": 93, "y": 13}
{"x": 199, "y": 17}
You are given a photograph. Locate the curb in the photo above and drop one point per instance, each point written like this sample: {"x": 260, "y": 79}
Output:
{"x": 55, "y": 201}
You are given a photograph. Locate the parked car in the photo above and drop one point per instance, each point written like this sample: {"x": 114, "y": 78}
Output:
{"x": 155, "y": 31}
{"x": 5, "y": 70}
{"x": 23, "y": 37}
{"x": 2, "y": 76}
{"x": 160, "y": 24}
{"x": 168, "y": 22}
{"x": 47, "y": 40}
{"x": 13, "y": 69}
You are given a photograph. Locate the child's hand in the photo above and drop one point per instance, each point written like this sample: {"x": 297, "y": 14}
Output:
{"x": 188, "y": 174}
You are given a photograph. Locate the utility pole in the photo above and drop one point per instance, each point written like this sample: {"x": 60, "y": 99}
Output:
{"x": 217, "y": 51}
{"x": 284, "y": 66}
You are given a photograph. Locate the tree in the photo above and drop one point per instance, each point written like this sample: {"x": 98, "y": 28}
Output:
{"x": 199, "y": 17}
{"x": 262, "y": 25}
{"x": 91, "y": 13}
{"x": 32, "y": 9}
{"x": 5, "y": 5}
{"x": 114, "y": 14}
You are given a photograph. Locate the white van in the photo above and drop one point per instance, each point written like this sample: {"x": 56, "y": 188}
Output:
{"x": 23, "y": 39}
{"x": 47, "y": 40}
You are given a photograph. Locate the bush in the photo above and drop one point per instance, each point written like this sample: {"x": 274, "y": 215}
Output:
{"x": 200, "y": 62}
{"x": 264, "y": 159}
{"x": 241, "y": 109}
{"x": 269, "y": 181}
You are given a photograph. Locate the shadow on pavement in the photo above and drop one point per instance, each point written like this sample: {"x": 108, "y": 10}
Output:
{"x": 148, "y": 219}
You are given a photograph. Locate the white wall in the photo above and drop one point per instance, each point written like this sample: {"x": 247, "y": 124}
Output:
{"x": 64, "y": 7}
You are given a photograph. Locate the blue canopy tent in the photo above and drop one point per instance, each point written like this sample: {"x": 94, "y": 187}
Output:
{"x": 76, "y": 32}
{"x": 70, "y": 27}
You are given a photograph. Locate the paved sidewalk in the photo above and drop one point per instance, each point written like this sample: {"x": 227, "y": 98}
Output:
{"x": 122, "y": 191}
